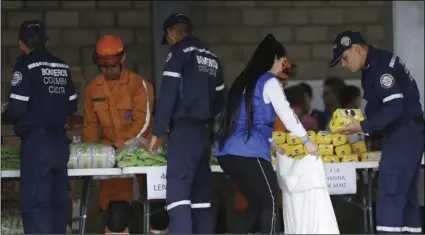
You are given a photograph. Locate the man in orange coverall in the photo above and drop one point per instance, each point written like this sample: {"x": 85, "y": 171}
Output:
{"x": 120, "y": 102}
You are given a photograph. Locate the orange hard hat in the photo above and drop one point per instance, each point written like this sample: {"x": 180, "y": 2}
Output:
{"x": 109, "y": 51}
{"x": 287, "y": 70}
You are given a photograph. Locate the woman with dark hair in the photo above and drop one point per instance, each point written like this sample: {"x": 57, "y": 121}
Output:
{"x": 244, "y": 138}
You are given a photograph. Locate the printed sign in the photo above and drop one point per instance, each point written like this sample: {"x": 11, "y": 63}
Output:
{"x": 157, "y": 183}
{"x": 341, "y": 178}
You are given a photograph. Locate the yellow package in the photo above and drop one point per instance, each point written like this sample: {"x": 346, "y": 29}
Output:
{"x": 312, "y": 135}
{"x": 296, "y": 149}
{"x": 299, "y": 156}
{"x": 343, "y": 150}
{"x": 326, "y": 149}
{"x": 279, "y": 137}
{"x": 330, "y": 159}
{"x": 359, "y": 147}
{"x": 350, "y": 158}
{"x": 286, "y": 148}
{"x": 370, "y": 156}
{"x": 274, "y": 160}
{"x": 292, "y": 140}
{"x": 341, "y": 117}
{"x": 324, "y": 137}
{"x": 338, "y": 139}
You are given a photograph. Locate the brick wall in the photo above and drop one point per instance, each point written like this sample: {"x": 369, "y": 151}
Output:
{"x": 233, "y": 29}
{"x": 74, "y": 27}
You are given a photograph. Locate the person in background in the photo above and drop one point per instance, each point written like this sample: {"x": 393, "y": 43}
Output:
{"x": 320, "y": 116}
{"x": 393, "y": 109}
{"x": 192, "y": 95}
{"x": 331, "y": 89}
{"x": 350, "y": 97}
{"x": 222, "y": 197}
{"x": 121, "y": 103}
{"x": 296, "y": 98}
{"x": 42, "y": 97}
{"x": 244, "y": 140}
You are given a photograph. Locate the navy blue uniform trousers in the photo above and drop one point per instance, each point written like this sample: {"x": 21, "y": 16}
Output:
{"x": 189, "y": 179}
{"x": 44, "y": 181}
{"x": 397, "y": 202}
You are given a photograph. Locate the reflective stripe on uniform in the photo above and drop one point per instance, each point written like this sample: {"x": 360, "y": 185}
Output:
{"x": 48, "y": 64}
{"x": 392, "y": 97}
{"x": 200, "y": 205}
{"x": 73, "y": 97}
{"x": 398, "y": 229}
{"x": 171, "y": 74}
{"x": 219, "y": 88}
{"x": 178, "y": 203}
{"x": 392, "y": 62}
{"x": 148, "y": 112}
{"x": 19, "y": 97}
{"x": 189, "y": 49}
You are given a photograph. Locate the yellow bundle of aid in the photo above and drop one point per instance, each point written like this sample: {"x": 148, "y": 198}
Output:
{"x": 341, "y": 117}
{"x": 370, "y": 156}
{"x": 292, "y": 140}
{"x": 279, "y": 137}
{"x": 324, "y": 137}
{"x": 330, "y": 159}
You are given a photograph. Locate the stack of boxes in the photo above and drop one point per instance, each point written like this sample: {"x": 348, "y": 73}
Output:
{"x": 332, "y": 147}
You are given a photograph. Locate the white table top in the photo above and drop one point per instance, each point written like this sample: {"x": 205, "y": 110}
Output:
{"x": 71, "y": 172}
{"x": 216, "y": 168}
{"x": 146, "y": 170}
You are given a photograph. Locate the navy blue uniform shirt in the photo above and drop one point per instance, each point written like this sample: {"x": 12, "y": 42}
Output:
{"x": 192, "y": 85}
{"x": 42, "y": 92}
{"x": 390, "y": 91}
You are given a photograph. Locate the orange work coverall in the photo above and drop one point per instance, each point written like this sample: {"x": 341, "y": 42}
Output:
{"x": 123, "y": 109}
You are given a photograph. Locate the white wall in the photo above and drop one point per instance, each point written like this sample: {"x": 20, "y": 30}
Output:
{"x": 408, "y": 20}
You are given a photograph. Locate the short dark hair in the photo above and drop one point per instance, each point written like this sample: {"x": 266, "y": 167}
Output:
{"x": 182, "y": 28}
{"x": 335, "y": 83}
{"x": 295, "y": 95}
{"x": 35, "y": 41}
{"x": 307, "y": 89}
{"x": 348, "y": 94}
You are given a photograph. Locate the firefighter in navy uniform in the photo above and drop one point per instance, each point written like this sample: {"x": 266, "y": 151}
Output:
{"x": 192, "y": 94}
{"x": 393, "y": 109}
{"x": 42, "y": 96}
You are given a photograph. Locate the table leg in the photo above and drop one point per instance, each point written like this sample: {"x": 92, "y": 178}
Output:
{"x": 370, "y": 174}
{"x": 87, "y": 180}
{"x": 364, "y": 201}
{"x": 146, "y": 208}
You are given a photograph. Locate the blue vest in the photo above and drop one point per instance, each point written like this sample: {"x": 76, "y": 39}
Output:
{"x": 258, "y": 144}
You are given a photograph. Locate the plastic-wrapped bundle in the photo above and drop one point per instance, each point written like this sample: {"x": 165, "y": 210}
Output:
{"x": 10, "y": 158}
{"x": 91, "y": 156}
{"x": 11, "y": 222}
{"x": 135, "y": 153}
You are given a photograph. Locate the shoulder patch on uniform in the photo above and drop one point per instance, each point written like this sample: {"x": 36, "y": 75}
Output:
{"x": 387, "y": 80}
{"x": 17, "y": 78}
{"x": 168, "y": 57}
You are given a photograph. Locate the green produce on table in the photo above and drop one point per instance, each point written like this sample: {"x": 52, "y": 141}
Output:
{"x": 141, "y": 157}
{"x": 213, "y": 161}
{"x": 10, "y": 158}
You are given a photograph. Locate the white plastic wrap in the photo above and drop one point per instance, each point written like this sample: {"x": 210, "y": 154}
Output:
{"x": 307, "y": 207}
{"x": 91, "y": 156}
